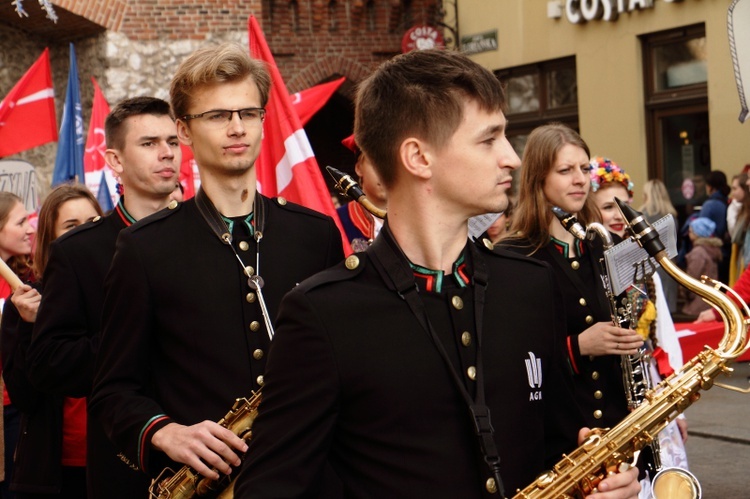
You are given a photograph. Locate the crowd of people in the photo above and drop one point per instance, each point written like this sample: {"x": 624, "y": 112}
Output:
{"x": 425, "y": 364}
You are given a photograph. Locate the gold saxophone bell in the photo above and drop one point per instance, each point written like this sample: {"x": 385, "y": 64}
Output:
{"x": 675, "y": 483}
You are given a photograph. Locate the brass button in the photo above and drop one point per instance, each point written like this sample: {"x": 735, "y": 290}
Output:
{"x": 582, "y": 301}
{"x": 282, "y": 201}
{"x": 466, "y": 338}
{"x": 249, "y": 270}
{"x": 244, "y": 246}
{"x": 598, "y": 394}
{"x": 96, "y": 218}
{"x": 575, "y": 265}
{"x": 259, "y": 379}
{"x": 457, "y": 302}
{"x": 258, "y": 354}
{"x": 254, "y": 326}
{"x": 491, "y": 486}
{"x": 488, "y": 244}
{"x": 598, "y": 414}
{"x": 472, "y": 372}
{"x": 589, "y": 319}
{"x": 172, "y": 204}
{"x": 250, "y": 297}
{"x": 352, "y": 262}
{"x": 595, "y": 375}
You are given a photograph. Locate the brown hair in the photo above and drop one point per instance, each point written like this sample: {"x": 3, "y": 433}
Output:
{"x": 114, "y": 125}
{"x": 419, "y": 94}
{"x": 48, "y": 216}
{"x": 227, "y": 62}
{"x": 19, "y": 264}
{"x": 533, "y": 214}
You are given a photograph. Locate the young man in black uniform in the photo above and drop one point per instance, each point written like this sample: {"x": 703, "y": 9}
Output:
{"x": 184, "y": 333}
{"x": 143, "y": 150}
{"x": 379, "y": 363}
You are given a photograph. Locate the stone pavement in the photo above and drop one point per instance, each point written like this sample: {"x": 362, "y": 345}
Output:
{"x": 718, "y": 446}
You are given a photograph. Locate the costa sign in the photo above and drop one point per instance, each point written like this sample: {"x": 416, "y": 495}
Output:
{"x": 422, "y": 38}
{"x": 581, "y": 11}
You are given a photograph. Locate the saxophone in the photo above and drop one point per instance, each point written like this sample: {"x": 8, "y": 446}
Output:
{"x": 187, "y": 483}
{"x": 602, "y": 452}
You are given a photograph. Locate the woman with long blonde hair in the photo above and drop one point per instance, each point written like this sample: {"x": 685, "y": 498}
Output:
{"x": 555, "y": 172}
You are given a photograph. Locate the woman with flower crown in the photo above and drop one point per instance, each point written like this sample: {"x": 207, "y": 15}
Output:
{"x": 653, "y": 322}
{"x": 555, "y": 172}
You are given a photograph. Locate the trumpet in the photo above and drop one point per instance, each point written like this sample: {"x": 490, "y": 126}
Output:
{"x": 603, "y": 452}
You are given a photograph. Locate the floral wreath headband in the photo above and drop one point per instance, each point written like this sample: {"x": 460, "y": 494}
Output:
{"x": 605, "y": 171}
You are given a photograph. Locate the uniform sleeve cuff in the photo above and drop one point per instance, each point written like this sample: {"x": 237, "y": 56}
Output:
{"x": 144, "y": 446}
{"x": 574, "y": 353}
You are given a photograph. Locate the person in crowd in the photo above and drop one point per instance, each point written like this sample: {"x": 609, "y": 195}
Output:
{"x": 738, "y": 220}
{"x": 193, "y": 291}
{"x": 360, "y": 225}
{"x": 555, "y": 172}
{"x": 144, "y": 152}
{"x": 405, "y": 340}
{"x": 50, "y": 458}
{"x": 657, "y": 205}
{"x": 15, "y": 249}
{"x": 702, "y": 260}
{"x": 715, "y": 209}
{"x": 649, "y": 310}
{"x": 500, "y": 227}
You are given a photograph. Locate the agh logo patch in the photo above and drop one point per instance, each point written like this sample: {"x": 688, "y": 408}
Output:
{"x": 534, "y": 373}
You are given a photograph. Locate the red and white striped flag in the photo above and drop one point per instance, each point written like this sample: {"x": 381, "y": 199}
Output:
{"x": 27, "y": 113}
{"x": 93, "y": 155}
{"x": 286, "y": 165}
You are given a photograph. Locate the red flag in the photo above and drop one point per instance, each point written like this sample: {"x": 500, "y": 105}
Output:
{"x": 309, "y": 101}
{"x": 93, "y": 157}
{"x": 27, "y": 113}
{"x": 286, "y": 165}
{"x": 188, "y": 172}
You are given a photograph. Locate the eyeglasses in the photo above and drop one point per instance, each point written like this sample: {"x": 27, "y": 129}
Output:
{"x": 219, "y": 118}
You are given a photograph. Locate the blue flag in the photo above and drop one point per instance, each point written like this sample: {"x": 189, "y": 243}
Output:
{"x": 70, "y": 146}
{"x": 103, "y": 196}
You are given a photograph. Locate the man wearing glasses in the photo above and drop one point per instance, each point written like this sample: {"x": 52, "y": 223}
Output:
{"x": 184, "y": 330}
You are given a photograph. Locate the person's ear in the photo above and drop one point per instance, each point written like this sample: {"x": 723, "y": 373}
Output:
{"x": 415, "y": 157}
{"x": 183, "y": 133}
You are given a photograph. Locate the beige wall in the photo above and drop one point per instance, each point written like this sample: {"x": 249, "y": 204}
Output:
{"x": 610, "y": 75}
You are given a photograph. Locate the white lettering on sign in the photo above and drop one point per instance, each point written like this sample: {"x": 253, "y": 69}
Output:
{"x": 581, "y": 11}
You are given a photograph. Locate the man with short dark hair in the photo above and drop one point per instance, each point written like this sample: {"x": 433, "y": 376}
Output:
{"x": 144, "y": 152}
{"x": 185, "y": 330}
{"x": 426, "y": 366}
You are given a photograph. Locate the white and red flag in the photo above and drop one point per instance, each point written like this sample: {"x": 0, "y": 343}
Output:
{"x": 309, "y": 101}
{"x": 27, "y": 113}
{"x": 96, "y": 169}
{"x": 286, "y": 165}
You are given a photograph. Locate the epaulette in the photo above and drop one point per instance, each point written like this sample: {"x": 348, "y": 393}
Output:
{"x": 172, "y": 208}
{"x": 296, "y": 208}
{"x": 352, "y": 266}
{"x": 486, "y": 246}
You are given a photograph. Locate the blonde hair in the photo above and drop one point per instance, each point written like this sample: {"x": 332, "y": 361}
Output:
{"x": 533, "y": 214}
{"x": 228, "y": 62}
{"x": 657, "y": 202}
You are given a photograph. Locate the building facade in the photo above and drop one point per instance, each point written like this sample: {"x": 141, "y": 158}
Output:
{"x": 648, "y": 83}
{"x": 133, "y": 48}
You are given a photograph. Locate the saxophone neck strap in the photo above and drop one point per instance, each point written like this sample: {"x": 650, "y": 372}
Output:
{"x": 393, "y": 267}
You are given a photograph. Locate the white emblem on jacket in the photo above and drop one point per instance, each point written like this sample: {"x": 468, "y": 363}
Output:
{"x": 534, "y": 372}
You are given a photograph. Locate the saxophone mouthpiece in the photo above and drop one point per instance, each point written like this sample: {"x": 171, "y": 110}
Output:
{"x": 570, "y": 222}
{"x": 345, "y": 184}
{"x": 646, "y": 236}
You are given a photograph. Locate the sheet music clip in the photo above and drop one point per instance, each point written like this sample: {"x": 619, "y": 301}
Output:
{"x": 644, "y": 273}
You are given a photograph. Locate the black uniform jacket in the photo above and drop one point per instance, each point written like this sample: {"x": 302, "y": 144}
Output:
{"x": 353, "y": 377}
{"x": 37, "y": 467}
{"x": 183, "y": 333}
{"x": 598, "y": 380}
{"x": 66, "y": 339}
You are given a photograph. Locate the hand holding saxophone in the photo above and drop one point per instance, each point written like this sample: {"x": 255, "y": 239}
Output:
{"x": 603, "y": 338}
{"x": 207, "y": 447}
{"x": 620, "y": 485}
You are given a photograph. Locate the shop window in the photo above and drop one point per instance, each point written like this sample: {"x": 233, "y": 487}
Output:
{"x": 676, "y": 101}
{"x": 537, "y": 94}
